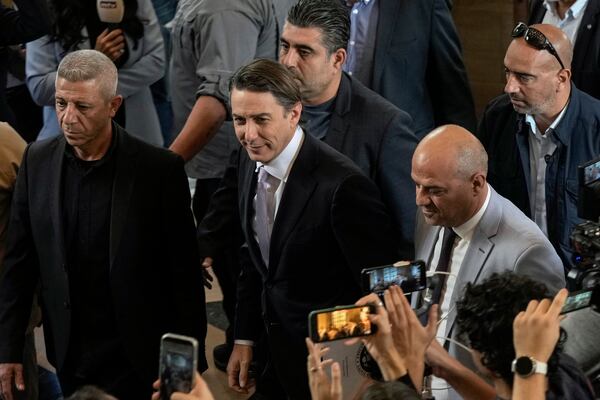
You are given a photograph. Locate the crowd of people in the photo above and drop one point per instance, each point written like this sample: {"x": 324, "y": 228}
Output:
{"x": 323, "y": 137}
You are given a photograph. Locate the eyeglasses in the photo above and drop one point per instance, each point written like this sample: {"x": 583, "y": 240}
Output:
{"x": 536, "y": 39}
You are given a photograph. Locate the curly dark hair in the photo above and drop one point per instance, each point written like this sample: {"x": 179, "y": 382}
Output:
{"x": 485, "y": 315}
{"x": 68, "y": 19}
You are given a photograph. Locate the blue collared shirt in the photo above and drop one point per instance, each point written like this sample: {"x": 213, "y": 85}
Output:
{"x": 361, "y": 45}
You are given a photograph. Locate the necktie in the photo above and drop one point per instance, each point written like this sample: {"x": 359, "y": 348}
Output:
{"x": 265, "y": 210}
{"x": 444, "y": 262}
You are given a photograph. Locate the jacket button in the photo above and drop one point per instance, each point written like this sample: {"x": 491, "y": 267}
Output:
{"x": 67, "y": 305}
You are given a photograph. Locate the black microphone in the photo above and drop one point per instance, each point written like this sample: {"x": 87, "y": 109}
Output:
{"x": 111, "y": 12}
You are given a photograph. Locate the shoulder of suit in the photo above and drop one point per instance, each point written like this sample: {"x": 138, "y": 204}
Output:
{"x": 332, "y": 160}
{"x": 134, "y": 144}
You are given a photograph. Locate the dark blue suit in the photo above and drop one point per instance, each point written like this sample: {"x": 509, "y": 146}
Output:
{"x": 378, "y": 137}
{"x": 418, "y": 64}
{"x": 504, "y": 134}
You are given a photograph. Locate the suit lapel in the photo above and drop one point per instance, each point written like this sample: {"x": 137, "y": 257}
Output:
{"x": 388, "y": 10}
{"x": 426, "y": 236}
{"x": 124, "y": 181}
{"x": 339, "y": 125}
{"x": 298, "y": 190}
{"x": 477, "y": 254}
{"x": 58, "y": 157}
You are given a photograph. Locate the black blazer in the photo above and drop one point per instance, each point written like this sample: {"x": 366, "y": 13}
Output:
{"x": 378, "y": 138}
{"x": 418, "y": 64}
{"x": 28, "y": 23}
{"x": 585, "y": 67}
{"x": 155, "y": 279}
{"x": 330, "y": 225}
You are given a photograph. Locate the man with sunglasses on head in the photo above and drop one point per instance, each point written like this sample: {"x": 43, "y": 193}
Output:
{"x": 540, "y": 131}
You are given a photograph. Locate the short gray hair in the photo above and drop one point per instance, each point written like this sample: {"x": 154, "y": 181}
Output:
{"x": 86, "y": 65}
{"x": 471, "y": 159}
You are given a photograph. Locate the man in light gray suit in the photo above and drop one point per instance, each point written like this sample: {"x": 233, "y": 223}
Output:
{"x": 467, "y": 231}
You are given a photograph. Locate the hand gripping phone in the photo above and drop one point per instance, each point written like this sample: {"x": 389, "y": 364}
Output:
{"x": 178, "y": 363}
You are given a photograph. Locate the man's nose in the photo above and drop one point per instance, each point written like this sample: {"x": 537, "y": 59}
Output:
{"x": 420, "y": 197}
{"x": 511, "y": 84}
{"x": 289, "y": 59}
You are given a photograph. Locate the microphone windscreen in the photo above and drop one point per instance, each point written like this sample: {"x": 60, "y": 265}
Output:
{"x": 110, "y": 11}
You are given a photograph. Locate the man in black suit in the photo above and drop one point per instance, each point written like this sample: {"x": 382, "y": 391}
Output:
{"x": 409, "y": 52}
{"x": 346, "y": 115}
{"x": 103, "y": 222}
{"x": 580, "y": 20}
{"x": 311, "y": 219}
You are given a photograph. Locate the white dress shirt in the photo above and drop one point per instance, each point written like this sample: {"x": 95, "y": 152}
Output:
{"x": 540, "y": 146}
{"x": 570, "y": 23}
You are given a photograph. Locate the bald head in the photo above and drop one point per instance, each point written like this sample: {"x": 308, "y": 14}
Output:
{"x": 449, "y": 168}
{"x": 456, "y": 148}
{"x": 535, "y": 81}
{"x": 559, "y": 41}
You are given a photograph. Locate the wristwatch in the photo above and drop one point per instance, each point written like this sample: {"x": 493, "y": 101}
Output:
{"x": 525, "y": 366}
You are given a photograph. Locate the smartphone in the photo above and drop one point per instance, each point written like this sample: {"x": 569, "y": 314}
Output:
{"x": 410, "y": 277}
{"x": 178, "y": 363}
{"x": 582, "y": 299}
{"x": 341, "y": 322}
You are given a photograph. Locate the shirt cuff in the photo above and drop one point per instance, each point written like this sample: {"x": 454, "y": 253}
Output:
{"x": 244, "y": 342}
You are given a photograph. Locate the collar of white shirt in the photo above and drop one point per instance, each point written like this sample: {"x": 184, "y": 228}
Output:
{"x": 573, "y": 12}
{"x": 280, "y": 166}
{"x": 465, "y": 231}
{"x": 530, "y": 119}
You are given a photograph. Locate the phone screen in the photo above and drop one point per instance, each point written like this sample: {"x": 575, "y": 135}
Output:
{"x": 341, "y": 323}
{"x": 577, "y": 301}
{"x": 591, "y": 173}
{"x": 177, "y": 364}
{"x": 410, "y": 278}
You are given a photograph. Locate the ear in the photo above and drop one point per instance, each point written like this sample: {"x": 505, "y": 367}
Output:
{"x": 564, "y": 76}
{"x": 115, "y": 103}
{"x": 295, "y": 113}
{"x": 478, "y": 182}
{"x": 339, "y": 58}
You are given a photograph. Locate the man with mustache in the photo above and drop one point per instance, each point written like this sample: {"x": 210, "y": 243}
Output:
{"x": 540, "y": 131}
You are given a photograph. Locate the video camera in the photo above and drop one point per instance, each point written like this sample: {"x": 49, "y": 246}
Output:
{"x": 586, "y": 236}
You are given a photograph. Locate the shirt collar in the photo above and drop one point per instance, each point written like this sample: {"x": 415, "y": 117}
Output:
{"x": 573, "y": 12}
{"x": 531, "y": 121}
{"x": 465, "y": 231}
{"x": 280, "y": 166}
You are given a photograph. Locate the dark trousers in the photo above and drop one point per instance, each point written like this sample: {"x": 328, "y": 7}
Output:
{"x": 120, "y": 381}
{"x": 226, "y": 266}
{"x": 285, "y": 375}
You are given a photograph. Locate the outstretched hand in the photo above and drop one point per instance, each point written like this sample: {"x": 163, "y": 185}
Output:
{"x": 321, "y": 387}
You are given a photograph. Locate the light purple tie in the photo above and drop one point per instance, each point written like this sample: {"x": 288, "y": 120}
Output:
{"x": 265, "y": 210}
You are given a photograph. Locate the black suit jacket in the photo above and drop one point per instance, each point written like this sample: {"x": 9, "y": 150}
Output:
{"x": 330, "y": 225}
{"x": 29, "y": 22}
{"x": 155, "y": 279}
{"x": 418, "y": 64}
{"x": 378, "y": 138}
{"x": 585, "y": 67}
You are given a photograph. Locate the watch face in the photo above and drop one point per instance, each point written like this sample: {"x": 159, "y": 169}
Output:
{"x": 524, "y": 366}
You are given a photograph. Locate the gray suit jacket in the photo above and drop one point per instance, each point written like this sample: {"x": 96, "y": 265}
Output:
{"x": 504, "y": 239}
